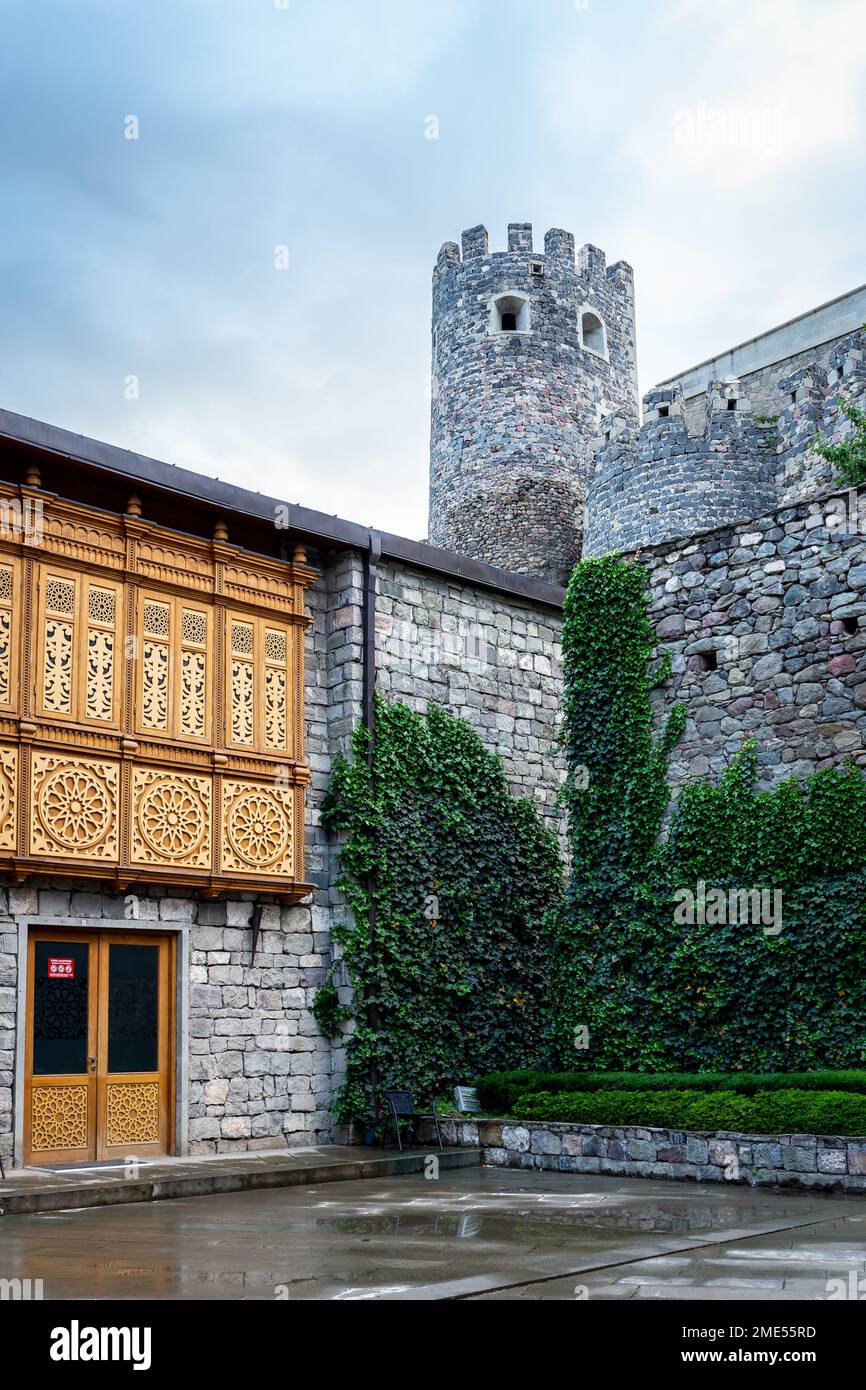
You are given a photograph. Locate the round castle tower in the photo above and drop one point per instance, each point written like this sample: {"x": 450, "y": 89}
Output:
{"x": 530, "y": 352}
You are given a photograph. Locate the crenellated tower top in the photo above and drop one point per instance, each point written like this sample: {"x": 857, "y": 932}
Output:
{"x": 530, "y": 350}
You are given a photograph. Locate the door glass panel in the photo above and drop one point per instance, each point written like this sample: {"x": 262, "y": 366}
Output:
{"x": 60, "y": 987}
{"x": 132, "y": 1008}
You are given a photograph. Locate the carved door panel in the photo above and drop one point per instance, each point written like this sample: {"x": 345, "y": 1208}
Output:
{"x": 135, "y": 1010}
{"x": 60, "y": 1089}
{"x": 99, "y": 1017}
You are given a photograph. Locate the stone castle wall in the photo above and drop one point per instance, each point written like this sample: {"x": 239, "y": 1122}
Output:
{"x": 762, "y": 362}
{"x": 513, "y": 413}
{"x": 658, "y": 483}
{"x": 490, "y": 658}
{"x": 653, "y": 485}
{"x": 762, "y": 385}
{"x": 767, "y": 624}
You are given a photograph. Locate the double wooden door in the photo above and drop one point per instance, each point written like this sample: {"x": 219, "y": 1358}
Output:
{"x": 98, "y": 1063}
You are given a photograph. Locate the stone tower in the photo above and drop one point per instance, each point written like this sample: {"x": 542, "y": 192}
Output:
{"x": 530, "y": 352}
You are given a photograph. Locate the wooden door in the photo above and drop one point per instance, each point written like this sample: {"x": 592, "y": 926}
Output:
{"x": 100, "y": 1015}
{"x": 60, "y": 1082}
{"x": 133, "y": 1051}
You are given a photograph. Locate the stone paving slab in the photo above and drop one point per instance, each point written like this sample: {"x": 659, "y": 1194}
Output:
{"x": 31, "y": 1190}
{"x": 473, "y": 1233}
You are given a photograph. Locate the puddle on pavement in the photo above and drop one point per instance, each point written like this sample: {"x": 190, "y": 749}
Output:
{"x": 371, "y": 1240}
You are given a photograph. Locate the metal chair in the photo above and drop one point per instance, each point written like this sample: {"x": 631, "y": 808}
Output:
{"x": 403, "y": 1108}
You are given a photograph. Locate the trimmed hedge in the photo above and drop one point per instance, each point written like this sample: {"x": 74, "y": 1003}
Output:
{"x": 765, "y": 1112}
{"x": 499, "y": 1092}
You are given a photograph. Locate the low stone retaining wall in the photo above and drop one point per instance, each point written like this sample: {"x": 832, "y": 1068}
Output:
{"x": 834, "y": 1162}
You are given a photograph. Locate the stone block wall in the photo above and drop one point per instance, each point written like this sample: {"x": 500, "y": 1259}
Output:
{"x": 259, "y": 1070}
{"x": 762, "y": 386}
{"x": 809, "y": 402}
{"x": 491, "y": 658}
{"x": 513, "y": 413}
{"x": 831, "y": 1163}
{"x": 650, "y": 486}
{"x": 8, "y": 1021}
{"x": 767, "y": 624}
{"x": 666, "y": 481}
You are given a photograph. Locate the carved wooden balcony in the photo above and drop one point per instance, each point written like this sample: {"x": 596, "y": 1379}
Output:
{"x": 151, "y": 703}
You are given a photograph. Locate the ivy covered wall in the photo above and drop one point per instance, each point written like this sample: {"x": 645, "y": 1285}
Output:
{"x": 466, "y": 955}
{"x": 650, "y": 951}
{"x": 448, "y": 971}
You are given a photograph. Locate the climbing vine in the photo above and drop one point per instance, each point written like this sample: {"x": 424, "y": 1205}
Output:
{"x": 464, "y": 955}
{"x": 447, "y": 973}
{"x": 657, "y": 993}
{"x": 849, "y": 455}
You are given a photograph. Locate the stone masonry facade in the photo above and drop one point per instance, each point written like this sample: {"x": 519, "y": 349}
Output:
{"x": 258, "y": 1070}
{"x": 766, "y": 621}
{"x": 514, "y": 409}
{"x": 660, "y": 482}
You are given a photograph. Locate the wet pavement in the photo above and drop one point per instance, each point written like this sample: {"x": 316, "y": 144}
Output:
{"x": 473, "y": 1233}
{"x": 28, "y": 1190}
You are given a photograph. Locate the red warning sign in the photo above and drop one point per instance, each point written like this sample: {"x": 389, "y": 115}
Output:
{"x": 61, "y": 968}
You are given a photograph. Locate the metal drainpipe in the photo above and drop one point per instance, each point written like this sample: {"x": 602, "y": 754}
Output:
{"x": 371, "y": 558}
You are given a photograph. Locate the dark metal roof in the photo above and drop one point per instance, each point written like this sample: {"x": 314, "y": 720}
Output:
{"x": 315, "y": 528}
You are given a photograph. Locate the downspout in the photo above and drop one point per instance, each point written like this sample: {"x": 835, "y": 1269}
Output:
{"x": 371, "y": 557}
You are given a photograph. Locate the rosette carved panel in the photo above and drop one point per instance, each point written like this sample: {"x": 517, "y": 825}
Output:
{"x": 257, "y": 828}
{"x": 171, "y": 819}
{"x": 74, "y": 807}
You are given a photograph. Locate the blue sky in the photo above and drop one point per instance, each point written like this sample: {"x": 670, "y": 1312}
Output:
{"x": 718, "y": 149}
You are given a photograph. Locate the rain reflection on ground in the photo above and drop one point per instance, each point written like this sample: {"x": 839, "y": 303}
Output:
{"x": 472, "y": 1233}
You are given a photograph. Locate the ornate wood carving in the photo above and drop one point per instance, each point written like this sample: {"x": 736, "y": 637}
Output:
{"x": 132, "y": 1112}
{"x": 257, "y": 825}
{"x": 8, "y": 798}
{"x": 151, "y": 705}
{"x": 75, "y": 807}
{"x": 58, "y": 1117}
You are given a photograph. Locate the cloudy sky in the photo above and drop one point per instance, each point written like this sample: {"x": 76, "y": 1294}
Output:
{"x": 258, "y": 259}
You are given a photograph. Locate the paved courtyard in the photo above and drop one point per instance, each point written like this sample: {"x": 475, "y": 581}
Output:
{"x": 475, "y": 1233}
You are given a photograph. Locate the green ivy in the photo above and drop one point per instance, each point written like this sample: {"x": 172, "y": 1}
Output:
{"x": 449, "y": 982}
{"x": 849, "y": 455}
{"x": 327, "y": 1010}
{"x": 653, "y": 994}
